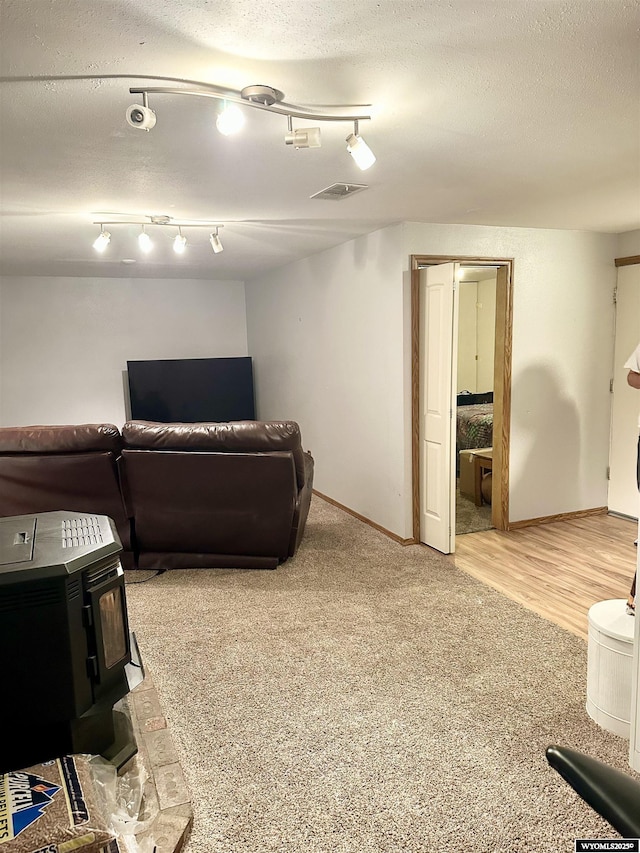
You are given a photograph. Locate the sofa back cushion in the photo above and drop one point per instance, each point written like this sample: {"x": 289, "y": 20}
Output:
{"x": 225, "y": 437}
{"x": 78, "y": 482}
{"x": 49, "y": 468}
{"x": 79, "y": 438}
{"x": 189, "y": 501}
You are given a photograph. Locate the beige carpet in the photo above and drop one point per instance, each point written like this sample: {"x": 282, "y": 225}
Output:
{"x": 469, "y": 517}
{"x": 367, "y": 698}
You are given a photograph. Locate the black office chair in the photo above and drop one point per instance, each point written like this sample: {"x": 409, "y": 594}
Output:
{"x": 612, "y": 794}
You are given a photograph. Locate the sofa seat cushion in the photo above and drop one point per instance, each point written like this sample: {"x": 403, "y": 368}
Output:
{"x": 224, "y": 437}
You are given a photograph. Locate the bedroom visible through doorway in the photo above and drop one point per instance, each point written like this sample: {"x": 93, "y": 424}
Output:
{"x": 474, "y": 397}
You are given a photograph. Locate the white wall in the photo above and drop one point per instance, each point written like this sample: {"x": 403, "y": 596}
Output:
{"x": 628, "y": 244}
{"x": 65, "y": 342}
{"x": 328, "y": 339}
{"x": 330, "y": 336}
{"x": 476, "y": 334}
{"x": 562, "y": 357}
{"x": 1, "y": 406}
{"x": 467, "y": 374}
{"x": 486, "y": 314}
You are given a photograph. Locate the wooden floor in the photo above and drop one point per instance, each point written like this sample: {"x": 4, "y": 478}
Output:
{"x": 558, "y": 569}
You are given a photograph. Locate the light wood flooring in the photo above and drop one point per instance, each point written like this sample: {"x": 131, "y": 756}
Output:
{"x": 558, "y": 569}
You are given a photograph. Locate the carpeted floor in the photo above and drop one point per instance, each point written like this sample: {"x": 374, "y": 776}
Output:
{"x": 469, "y": 517}
{"x": 367, "y": 697}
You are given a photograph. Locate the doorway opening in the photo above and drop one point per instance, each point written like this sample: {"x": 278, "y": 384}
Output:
{"x": 473, "y": 400}
{"x": 496, "y": 373}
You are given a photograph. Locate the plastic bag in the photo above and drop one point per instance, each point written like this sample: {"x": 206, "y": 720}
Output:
{"x": 127, "y": 811}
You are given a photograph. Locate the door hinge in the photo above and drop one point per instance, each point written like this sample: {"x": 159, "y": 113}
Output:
{"x": 615, "y": 295}
{"x": 608, "y": 472}
{"x": 611, "y": 386}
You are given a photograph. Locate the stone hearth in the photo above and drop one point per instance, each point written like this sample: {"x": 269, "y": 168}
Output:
{"x": 166, "y": 791}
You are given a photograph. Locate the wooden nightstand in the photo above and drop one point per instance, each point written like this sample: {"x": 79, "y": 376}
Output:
{"x": 482, "y": 462}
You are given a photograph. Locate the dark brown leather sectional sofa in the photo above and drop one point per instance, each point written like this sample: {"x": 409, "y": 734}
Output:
{"x": 202, "y": 495}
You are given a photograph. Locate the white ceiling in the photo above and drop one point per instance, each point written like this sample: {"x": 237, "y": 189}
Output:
{"x": 513, "y": 112}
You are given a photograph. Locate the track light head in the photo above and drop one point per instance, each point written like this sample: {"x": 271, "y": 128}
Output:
{"x": 359, "y": 150}
{"x": 102, "y": 241}
{"x": 144, "y": 241}
{"x": 230, "y": 120}
{"x": 179, "y": 243}
{"x": 301, "y": 138}
{"x": 141, "y": 117}
{"x": 216, "y": 243}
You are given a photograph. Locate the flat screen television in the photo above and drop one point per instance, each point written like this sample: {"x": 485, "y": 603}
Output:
{"x": 188, "y": 390}
{"x": 64, "y": 634}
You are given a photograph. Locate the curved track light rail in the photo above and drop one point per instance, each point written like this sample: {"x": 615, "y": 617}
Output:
{"x": 261, "y": 98}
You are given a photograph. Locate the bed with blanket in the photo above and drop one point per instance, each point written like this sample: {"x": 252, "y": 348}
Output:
{"x": 474, "y": 421}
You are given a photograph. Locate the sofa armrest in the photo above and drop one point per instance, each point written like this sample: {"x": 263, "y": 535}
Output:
{"x": 303, "y": 503}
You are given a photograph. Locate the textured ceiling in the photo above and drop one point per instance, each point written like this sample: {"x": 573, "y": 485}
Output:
{"x": 520, "y": 112}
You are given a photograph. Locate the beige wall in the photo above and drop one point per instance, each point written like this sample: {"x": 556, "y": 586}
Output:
{"x": 65, "y": 342}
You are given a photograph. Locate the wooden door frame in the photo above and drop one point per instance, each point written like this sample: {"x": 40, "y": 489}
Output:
{"x": 502, "y": 381}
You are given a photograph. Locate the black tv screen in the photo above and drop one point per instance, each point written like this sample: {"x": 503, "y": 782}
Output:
{"x": 192, "y": 389}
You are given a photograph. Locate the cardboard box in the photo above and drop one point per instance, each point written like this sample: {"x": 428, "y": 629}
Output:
{"x": 467, "y": 471}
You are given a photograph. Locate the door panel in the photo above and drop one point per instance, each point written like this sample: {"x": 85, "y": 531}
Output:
{"x": 438, "y": 354}
{"x": 623, "y": 491}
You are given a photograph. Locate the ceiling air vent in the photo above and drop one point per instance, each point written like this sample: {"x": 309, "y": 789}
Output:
{"x": 336, "y": 192}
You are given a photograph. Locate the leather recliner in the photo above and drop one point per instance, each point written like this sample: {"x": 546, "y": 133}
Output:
{"x": 216, "y": 494}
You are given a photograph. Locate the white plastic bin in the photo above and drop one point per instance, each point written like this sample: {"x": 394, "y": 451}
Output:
{"x": 609, "y": 665}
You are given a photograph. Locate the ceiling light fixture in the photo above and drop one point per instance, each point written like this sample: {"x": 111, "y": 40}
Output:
{"x": 262, "y": 98}
{"x": 356, "y": 146}
{"x": 216, "y": 243}
{"x": 230, "y": 120}
{"x": 102, "y": 240}
{"x": 179, "y": 243}
{"x": 140, "y": 116}
{"x": 144, "y": 241}
{"x": 145, "y": 221}
{"x": 309, "y": 138}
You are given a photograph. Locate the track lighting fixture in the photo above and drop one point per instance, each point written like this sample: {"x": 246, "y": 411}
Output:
{"x": 179, "y": 243}
{"x": 102, "y": 240}
{"x": 216, "y": 243}
{"x": 356, "y": 146}
{"x": 263, "y": 98}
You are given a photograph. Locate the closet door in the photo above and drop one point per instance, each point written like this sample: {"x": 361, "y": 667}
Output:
{"x": 623, "y": 491}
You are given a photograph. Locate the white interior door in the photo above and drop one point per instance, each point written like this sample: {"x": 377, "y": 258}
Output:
{"x": 623, "y": 491}
{"x": 438, "y": 355}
